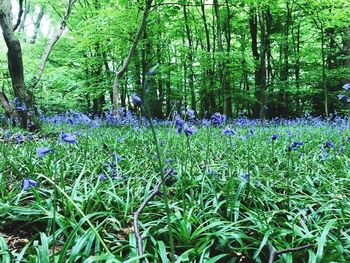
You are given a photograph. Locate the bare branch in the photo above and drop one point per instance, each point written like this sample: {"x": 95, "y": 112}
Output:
{"x": 20, "y": 12}
{"x": 274, "y": 253}
{"x": 126, "y": 63}
{"x": 139, "y": 210}
{"x": 51, "y": 43}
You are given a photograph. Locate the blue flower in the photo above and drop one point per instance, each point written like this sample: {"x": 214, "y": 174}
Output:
{"x": 28, "y": 183}
{"x": 294, "y": 146}
{"x": 42, "y": 151}
{"x": 102, "y": 177}
{"x": 228, "y": 131}
{"x": 179, "y": 123}
{"x": 136, "y": 99}
{"x": 190, "y": 114}
{"x": 329, "y": 144}
{"x": 275, "y": 136}
{"x": 18, "y": 107}
{"x": 346, "y": 86}
{"x": 189, "y": 130}
{"x": 68, "y": 137}
{"x": 217, "y": 118}
{"x": 246, "y": 176}
{"x": 341, "y": 96}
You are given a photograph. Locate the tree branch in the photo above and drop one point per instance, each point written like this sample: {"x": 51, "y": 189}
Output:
{"x": 274, "y": 253}
{"x": 51, "y": 43}
{"x": 20, "y": 12}
{"x": 127, "y": 61}
{"x": 139, "y": 210}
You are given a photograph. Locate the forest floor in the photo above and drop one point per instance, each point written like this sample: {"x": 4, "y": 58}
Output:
{"x": 235, "y": 191}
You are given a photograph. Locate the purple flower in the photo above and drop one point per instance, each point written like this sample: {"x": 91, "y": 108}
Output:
{"x": 136, "y": 99}
{"x": 228, "y": 131}
{"x": 190, "y": 114}
{"x": 329, "y": 144}
{"x": 68, "y": 137}
{"x": 275, "y": 136}
{"x": 42, "y": 151}
{"x": 18, "y": 107}
{"x": 294, "y": 146}
{"x": 179, "y": 123}
{"x": 341, "y": 96}
{"x": 28, "y": 183}
{"x": 246, "y": 176}
{"x": 217, "y": 118}
{"x": 346, "y": 86}
{"x": 189, "y": 130}
{"x": 102, "y": 177}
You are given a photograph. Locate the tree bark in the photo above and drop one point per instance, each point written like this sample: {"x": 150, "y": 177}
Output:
{"x": 190, "y": 59}
{"x": 37, "y": 25}
{"x": 15, "y": 65}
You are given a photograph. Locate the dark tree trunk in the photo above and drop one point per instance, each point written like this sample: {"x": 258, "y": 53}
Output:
{"x": 15, "y": 65}
{"x": 190, "y": 59}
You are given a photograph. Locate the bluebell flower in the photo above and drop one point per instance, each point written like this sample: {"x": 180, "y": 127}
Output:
{"x": 294, "y": 145}
{"x": 189, "y": 130}
{"x": 228, "y": 131}
{"x": 28, "y": 183}
{"x": 116, "y": 156}
{"x": 275, "y": 137}
{"x": 19, "y": 139}
{"x": 179, "y": 123}
{"x": 329, "y": 144}
{"x": 348, "y": 100}
{"x": 347, "y": 86}
{"x": 7, "y": 136}
{"x": 102, "y": 177}
{"x": 217, "y": 118}
{"x": 246, "y": 176}
{"x": 349, "y": 139}
{"x": 18, "y": 107}
{"x": 136, "y": 99}
{"x": 190, "y": 114}
{"x": 68, "y": 137}
{"x": 341, "y": 96}
{"x": 42, "y": 151}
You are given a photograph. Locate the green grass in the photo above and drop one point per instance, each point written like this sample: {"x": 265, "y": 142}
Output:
{"x": 216, "y": 215}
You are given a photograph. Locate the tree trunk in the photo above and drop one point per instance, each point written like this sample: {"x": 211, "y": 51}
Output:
{"x": 190, "y": 59}
{"x": 15, "y": 65}
{"x": 37, "y": 25}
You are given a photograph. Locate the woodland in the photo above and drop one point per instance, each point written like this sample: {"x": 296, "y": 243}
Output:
{"x": 263, "y": 59}
{"x": 174, "y": 131}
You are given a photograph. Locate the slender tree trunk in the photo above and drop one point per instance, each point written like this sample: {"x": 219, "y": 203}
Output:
{"x": 126, "y": 63}
{"x": 25, "y": 14}
{"x": 190, "y": 59}
{"x": 37, "y": 25}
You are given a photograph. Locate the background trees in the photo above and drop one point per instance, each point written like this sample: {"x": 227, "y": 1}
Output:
{"x": 264, "y": 58}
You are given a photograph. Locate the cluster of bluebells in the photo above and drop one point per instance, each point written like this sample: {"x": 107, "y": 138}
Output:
{"x": 181, "y": 125}
{"x": 295, "y": 147}
{"x": 112, "y": 169}
{"x": 328, "y": 145}
{"x": 346, "y": 87}
{"x": 18, "y": 107}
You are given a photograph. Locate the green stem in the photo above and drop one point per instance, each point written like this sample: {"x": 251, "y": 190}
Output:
{"x": 165, "y": 189}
